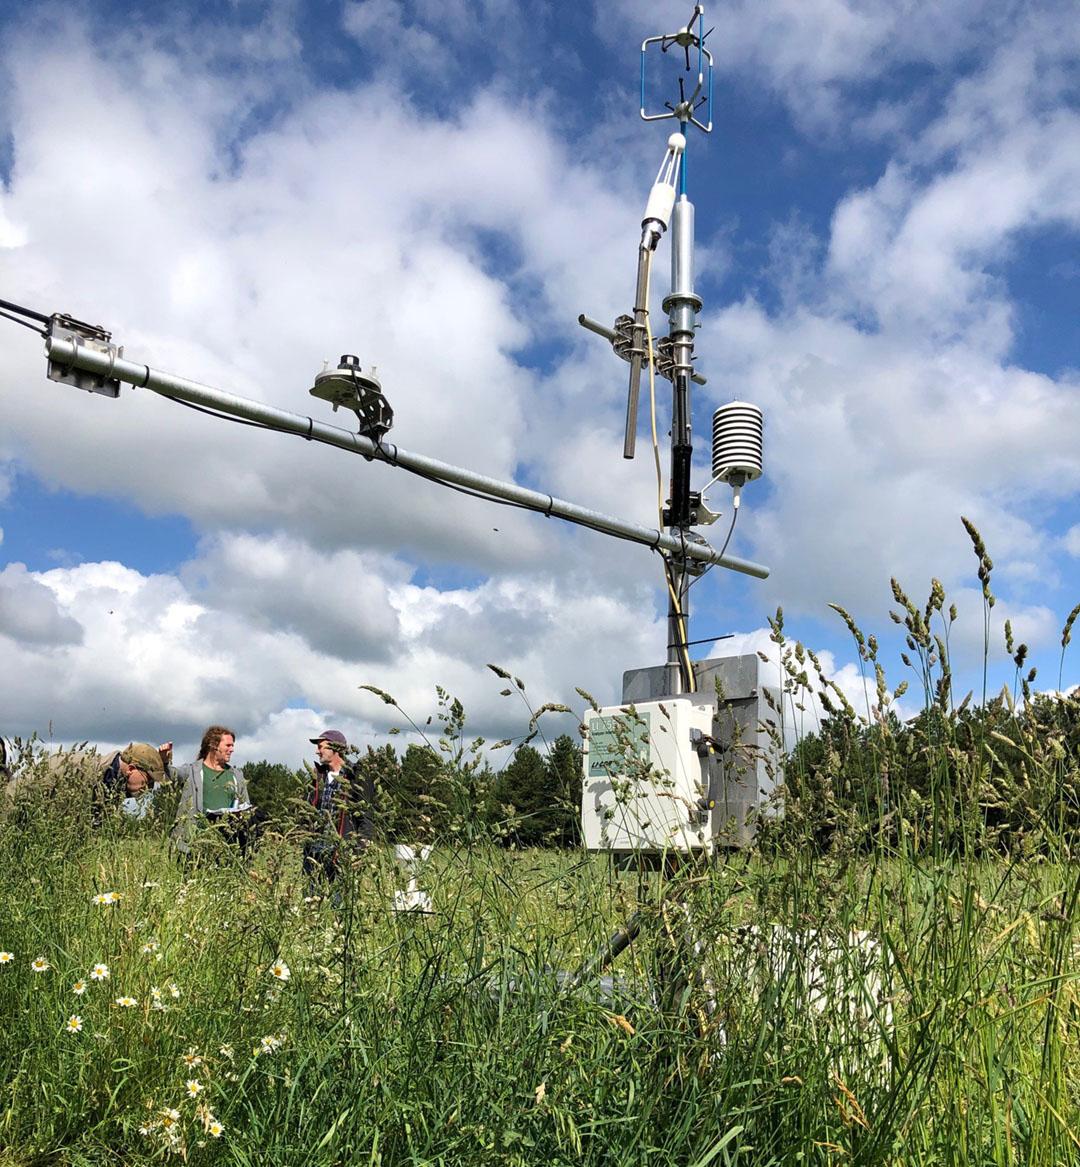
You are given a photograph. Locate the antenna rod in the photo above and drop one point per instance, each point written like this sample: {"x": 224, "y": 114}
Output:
{"x": 637, "y": 349}
{"x": 109, "y": 364}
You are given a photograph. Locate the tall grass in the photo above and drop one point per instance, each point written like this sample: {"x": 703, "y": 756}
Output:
{"x": 450, "y": 1038}
{"x": 888, "y": 980}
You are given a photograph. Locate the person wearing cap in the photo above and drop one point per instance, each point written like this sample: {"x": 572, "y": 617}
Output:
{"x": 135, "y": 773}
{"x": 212, "y": 790}
{"x": 344, "y": 799}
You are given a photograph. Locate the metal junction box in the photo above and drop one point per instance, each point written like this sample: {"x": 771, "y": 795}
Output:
{"x": 677, "y": 773}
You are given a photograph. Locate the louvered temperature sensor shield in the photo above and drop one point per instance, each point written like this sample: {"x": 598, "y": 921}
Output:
{"x": 737, "y": 443}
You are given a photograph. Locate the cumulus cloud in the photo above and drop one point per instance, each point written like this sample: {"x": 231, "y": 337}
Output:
{"x": 29, "y": 611}
{"x": 162, "y": 656}
{"x": 256, "y": 222}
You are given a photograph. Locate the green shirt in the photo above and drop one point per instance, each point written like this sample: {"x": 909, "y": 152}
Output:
{"x": 219, "y": 789}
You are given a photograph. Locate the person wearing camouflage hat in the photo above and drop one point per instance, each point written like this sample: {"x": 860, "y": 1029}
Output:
{"x": 134, "y": 773}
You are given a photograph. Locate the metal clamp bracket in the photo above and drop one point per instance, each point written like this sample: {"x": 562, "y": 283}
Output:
{"x": 89, "y": 336}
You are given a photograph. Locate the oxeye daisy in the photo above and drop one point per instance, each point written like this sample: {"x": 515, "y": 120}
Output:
{"x": 74, "y": 1024}
{"x": 100, "y": 972}
{"x": 78, "y": 988}
{"x": 174, "y": 990}
{"x": 215, "y": 1128}
{"x": 169, "y": 1117}
{"x": 193, "y": 1087}
{"x": 191, "y": 1059}
{"x": 280, "y": 970}
{"x": 39, "y": 965}
{"x": 6, "y": 957}
{"x": 126, "y": 1002}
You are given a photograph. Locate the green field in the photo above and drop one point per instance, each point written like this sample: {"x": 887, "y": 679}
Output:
{"x": 745, "y": 1025}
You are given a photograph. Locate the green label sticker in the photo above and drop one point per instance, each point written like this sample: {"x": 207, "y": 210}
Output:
{"x": 617, "y": 743}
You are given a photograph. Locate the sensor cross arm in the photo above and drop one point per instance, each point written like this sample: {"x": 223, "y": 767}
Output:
{"x": 67, "y": 353}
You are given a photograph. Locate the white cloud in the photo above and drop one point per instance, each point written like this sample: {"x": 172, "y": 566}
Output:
{"x": 157, "y": 660}
{"x": 29, "y": 612}
{"x": 446, "y": 246}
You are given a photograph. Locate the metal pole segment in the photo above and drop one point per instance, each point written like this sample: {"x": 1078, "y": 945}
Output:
{"x": 620, "y": 939}
{"x": 612, "y": 335}
{"x": 142, "y": 376}
{"x": 637, "y": 350}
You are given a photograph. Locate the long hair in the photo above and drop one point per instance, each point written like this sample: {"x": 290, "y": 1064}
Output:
{"x": 211, "y": 738}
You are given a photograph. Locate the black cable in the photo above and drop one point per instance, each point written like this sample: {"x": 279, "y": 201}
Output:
{"x": 24, "y": 323}
{"x": 40, "y": 317}
{"x": 383, "y": 456}
{"x": 731, "y": 531}
{"x": 258, "y": 425}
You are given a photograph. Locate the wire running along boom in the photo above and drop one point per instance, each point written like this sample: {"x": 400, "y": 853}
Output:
{"x": 108, "y": 366}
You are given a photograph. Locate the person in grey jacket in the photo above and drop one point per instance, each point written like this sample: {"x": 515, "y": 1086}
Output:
{"x": 211, "y": 790}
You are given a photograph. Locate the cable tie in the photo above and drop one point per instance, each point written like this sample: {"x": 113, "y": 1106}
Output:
{"x": 310, "y": 429}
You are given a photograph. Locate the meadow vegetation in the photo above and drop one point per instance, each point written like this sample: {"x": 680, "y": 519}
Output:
{"x": 890, "y": 977}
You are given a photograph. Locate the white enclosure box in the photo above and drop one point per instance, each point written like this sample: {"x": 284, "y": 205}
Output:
{"x": 696, "y": 770}
{"x": 646, "y": 779}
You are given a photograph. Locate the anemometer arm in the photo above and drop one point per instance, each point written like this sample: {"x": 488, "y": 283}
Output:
{"x": 98, "y": 365}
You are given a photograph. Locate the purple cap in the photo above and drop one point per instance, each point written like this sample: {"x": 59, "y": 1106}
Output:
{"x": 334, "y": 736}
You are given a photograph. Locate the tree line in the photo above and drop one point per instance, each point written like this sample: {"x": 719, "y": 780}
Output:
{"x": 426, "y": 793}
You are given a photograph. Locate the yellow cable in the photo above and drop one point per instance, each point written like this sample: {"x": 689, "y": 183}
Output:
{"x": 675, "y": 602}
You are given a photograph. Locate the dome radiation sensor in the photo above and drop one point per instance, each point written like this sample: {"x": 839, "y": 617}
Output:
{"x": 349, "y": 386}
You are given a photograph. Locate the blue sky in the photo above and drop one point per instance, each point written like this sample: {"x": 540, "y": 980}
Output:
{"x": 887, "y": 224}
